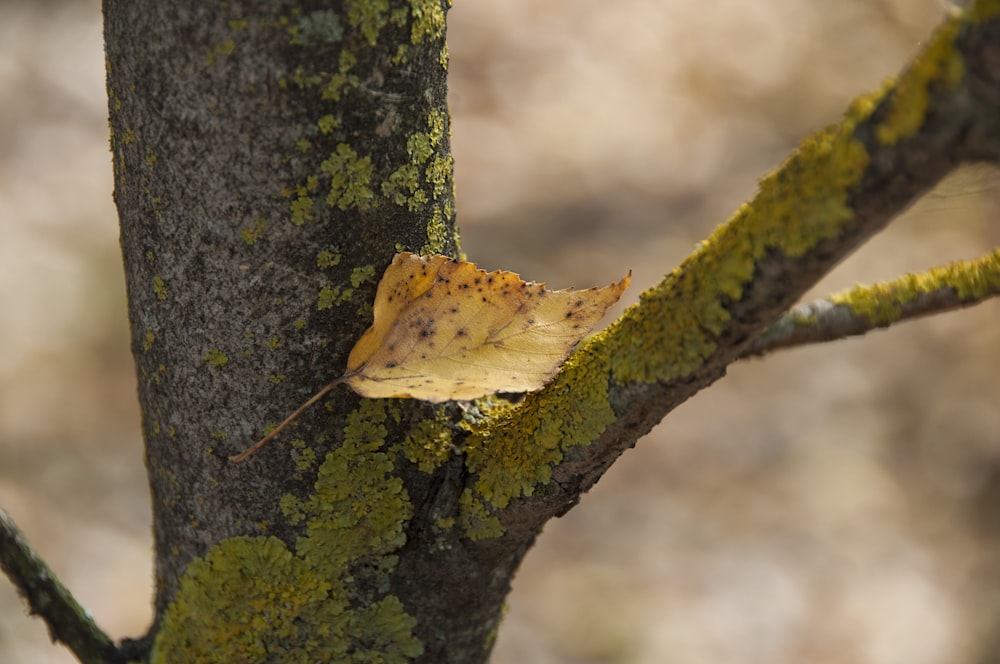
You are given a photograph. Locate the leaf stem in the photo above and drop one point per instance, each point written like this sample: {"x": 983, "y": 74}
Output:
{"x": 245, "y": 454}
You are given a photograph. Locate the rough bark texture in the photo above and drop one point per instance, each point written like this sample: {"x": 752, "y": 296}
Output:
{"x": 270, "y": 159}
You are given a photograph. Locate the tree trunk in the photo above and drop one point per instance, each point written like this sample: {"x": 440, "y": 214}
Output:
{"x": 269, "y": 161}
{"x": 270, "y": 158}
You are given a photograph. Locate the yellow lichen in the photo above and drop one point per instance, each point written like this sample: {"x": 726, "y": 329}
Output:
{"x": 799, "y": 205}
{"x": 251, "y": 234}
{"x": 159, "y": 288}
{"x": 515, "y": 455}
{"x": 216, "y": 358}
{"x": 302, "y": 210}
{"x": 350, "y": 177}
{"x": 359, "y": 507}
{"x": 938, "y": 65}
{"x": 428, "y": 445}
{"x": 369, "y": 17}
{"x": 884, "y": 303}
{"x": 428, "y": 20}
{"x": 340, "y": 81}
{"x": 437, "y": 233}
{"x": 361, "y": 275}
{"x": 330, "y": 296}
{"x": 328, "y": 258}
{"x": 476, "y": 519}
{"x": 439, "y": 175}
{"x": 251, "y": 600}
{"x": 327, "y": 124}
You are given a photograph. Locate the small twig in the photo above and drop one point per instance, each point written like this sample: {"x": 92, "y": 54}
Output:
{"x": 866, "y": 308}
{"x": 245, "y": 454}
{"x": 67, "y": 621}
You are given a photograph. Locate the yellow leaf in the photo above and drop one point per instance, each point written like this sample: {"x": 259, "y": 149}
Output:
{"x": 444, "y": 329}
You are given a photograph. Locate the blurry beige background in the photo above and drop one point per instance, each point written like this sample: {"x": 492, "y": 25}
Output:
{"x": 834, "y": 504}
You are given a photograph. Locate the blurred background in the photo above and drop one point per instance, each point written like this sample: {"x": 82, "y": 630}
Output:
{"x": 831, "y": 504}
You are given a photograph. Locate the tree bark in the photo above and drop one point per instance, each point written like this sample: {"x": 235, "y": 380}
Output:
{"x": 270, "y": 159}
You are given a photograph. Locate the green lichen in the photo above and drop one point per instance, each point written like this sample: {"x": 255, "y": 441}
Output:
{"x": 359, "y": 508}
{"x": 302, "y": 208}
{"x": 327, "y": 124}
{"x": 330, "y": 296}
{"x": 216, "y": 358}
{"x": 443, "y": 57}
{"x": 251, "y": 234}
{"x": 387, "y": 631}
{"x": 804, "y": 202}
{"x": 428, "y": 20}
{"x": 251, "y": 600}
{"x": 148, "y": 340}
{"x": 938, "y": 65}
{"x": 477, "y": 519}
{"x": 292, "y": 508}
{"x": 368, "y": 17}
{"x": 350, "y": 177}
{"x": 516, "y": 453}
{"x": 343, "y": 79}
{"x": 361, "y": 275}
{"x": 885, "y": 303}
{"x": 328, "y": 258}
{"x": 437, "y": 234}
{"x": 426, "y": 177}
{"x": 428, "y": 445}
{"x": 276, "y": 378}
{"x": 159, "y": 288}
{"x": 402, "y": 185}
{"x": 305, "y": 459}
{"x": 439, "y": 175}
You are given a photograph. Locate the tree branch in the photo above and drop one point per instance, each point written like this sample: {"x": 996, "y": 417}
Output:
{"x": 68, "y": 622}
{"x": 840, "y": 187}
{"x": 866, "y": 308}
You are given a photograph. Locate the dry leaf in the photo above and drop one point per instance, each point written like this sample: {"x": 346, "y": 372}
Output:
{"x": 444, "y": 329}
